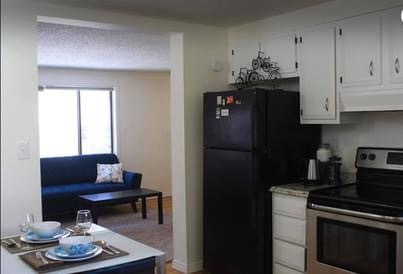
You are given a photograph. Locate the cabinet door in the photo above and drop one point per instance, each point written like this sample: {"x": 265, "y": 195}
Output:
{"x": 242, "y": 52}
{"x": 392, "y": 31}
{"x": 359, "y": 51}
{"x": 316, "y": 56}
{"x": 281, "y": 49}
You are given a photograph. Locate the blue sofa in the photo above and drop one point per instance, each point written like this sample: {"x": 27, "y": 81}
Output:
{"x": 63, "y": 179}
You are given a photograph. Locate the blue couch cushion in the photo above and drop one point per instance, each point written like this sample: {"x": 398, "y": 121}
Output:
{"x": 73, "y": 169}
{"x": 64, "y": 198}
{"x": 81, "y": 189}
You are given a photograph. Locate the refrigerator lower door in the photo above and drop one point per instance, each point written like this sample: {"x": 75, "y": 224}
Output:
{"x": 233, "y": 243}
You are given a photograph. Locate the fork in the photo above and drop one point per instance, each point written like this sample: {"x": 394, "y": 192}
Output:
{"x": 39, "y": 255}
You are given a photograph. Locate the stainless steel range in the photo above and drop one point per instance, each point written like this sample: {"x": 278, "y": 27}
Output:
{"x": 358, "y": 228}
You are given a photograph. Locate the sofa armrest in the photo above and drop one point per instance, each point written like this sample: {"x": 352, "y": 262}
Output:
{"x": 132, "y": 179}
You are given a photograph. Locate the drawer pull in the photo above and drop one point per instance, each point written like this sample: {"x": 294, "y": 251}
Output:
{"x": 397, "y": 65}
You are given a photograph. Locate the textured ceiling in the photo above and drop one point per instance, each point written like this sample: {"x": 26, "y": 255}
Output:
{"x": 210, "y": 12}
{"x": 79, "y": 47}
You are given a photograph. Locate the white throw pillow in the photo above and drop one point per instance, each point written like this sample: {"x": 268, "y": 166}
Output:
{"x": 109, "y": 173}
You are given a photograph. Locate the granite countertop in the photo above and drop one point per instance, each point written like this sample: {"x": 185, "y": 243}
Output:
{"x": 301, "y": 190}
{"x": 296, "y": 189}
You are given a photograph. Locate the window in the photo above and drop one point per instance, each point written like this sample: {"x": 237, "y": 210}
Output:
{"x": 75, "y": 121}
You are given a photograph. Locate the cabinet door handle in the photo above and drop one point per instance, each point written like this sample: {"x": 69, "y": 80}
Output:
{"x": 397, "y": 65}
{"x": 371, "y": 68}
{"x": 327, "y": 104}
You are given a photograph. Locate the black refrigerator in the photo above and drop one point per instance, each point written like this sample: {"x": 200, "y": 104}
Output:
{"x": 252, "y": 141}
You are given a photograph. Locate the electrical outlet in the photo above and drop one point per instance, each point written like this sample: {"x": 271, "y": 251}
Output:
{"x": 23, "y": 150}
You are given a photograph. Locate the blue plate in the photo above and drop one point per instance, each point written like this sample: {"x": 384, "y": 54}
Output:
{"x": 51, "y": 255}
{"x": 34, "y": 237}
{"x": 58, "y": 251}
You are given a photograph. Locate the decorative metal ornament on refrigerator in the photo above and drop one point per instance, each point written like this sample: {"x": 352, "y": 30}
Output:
{"x": 263, "y": 69}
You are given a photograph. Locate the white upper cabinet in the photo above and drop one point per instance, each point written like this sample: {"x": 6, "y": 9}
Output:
{"x": 280, "y": 48}
{"x": 353, "y": 64}
{"x": 369, "y": 53}
{"x": 283, "y": 50}
{"x": 316, "y": 55}
{"x": 241, "y": 54}
{"x": 392, "y": 30}
{"x": 359, "y": 51}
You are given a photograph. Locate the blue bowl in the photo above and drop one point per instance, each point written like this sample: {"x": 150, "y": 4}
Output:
{"x": 74, "y": 253}
{"x": 76, "y": 245}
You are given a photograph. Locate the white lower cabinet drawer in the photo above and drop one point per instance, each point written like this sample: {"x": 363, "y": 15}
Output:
{"x": 279, "y": 269}
{"x": 289, "y": 255}
{"x": 289, "y": 206}
{"x": 289, "y": 229}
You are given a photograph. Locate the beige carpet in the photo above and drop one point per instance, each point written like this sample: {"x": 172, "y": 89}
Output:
{"x": 123, "y": 220}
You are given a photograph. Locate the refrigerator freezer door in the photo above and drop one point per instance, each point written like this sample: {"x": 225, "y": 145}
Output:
{"x": 232, "y": 243}
{"x": 231, "y": 119}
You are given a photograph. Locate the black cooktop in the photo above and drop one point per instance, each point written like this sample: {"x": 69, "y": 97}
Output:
{"x": 370, "y": 199}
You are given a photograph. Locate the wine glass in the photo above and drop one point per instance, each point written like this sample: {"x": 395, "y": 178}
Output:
{"x": 84, "y": 220}
{"x": 29, "y": 220}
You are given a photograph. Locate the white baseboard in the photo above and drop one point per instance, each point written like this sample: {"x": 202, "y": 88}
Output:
{"x": 187, "y": 268}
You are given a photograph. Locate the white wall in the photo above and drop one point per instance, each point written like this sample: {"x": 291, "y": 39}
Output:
{"x": 142, "y": 117}
{"x": 193, "y": 48}
{"x": 379, "y": 129}
{"x": 20, "y": 184}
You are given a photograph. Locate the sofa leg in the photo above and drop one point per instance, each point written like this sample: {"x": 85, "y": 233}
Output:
{"x": 134, "y": 206}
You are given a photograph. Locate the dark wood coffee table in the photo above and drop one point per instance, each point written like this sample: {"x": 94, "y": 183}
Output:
{"x": 95, "y": 201}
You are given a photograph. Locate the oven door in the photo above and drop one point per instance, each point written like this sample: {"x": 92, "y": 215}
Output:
{"x": 339, "y": 244}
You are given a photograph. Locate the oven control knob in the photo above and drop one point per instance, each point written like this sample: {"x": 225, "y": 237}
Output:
{"x": 371, "y": 156}
{"x": 363, "y": 156}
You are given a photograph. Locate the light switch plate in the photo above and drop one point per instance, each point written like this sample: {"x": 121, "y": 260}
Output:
{"x": 23, "y": 150}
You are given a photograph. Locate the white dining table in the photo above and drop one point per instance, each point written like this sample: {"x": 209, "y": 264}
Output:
{"x": 12, "y": 263}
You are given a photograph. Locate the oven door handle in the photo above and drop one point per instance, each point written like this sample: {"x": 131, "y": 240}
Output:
{"x": 377, "y": 217}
